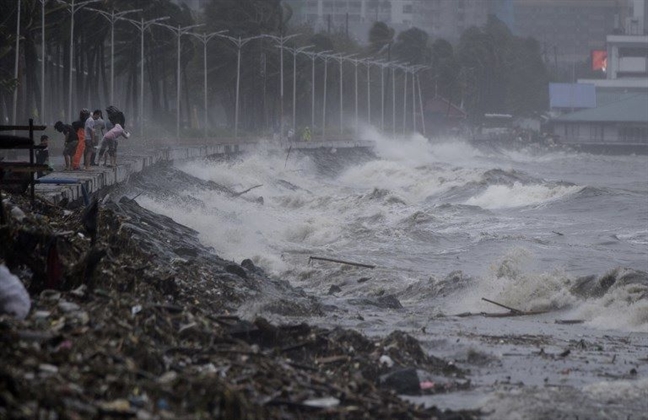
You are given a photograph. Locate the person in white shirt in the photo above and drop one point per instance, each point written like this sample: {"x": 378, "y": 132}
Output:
{"x": 90, "y": 140}
{"x": 99, "y": 127}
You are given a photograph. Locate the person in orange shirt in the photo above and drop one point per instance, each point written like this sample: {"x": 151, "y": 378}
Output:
{"x": 79, "y": 127}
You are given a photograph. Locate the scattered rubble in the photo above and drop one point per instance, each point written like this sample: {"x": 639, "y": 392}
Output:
{"x": 131, "y": 317}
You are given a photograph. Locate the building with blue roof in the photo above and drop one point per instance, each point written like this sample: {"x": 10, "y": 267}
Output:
{"x": 620, "y": 121}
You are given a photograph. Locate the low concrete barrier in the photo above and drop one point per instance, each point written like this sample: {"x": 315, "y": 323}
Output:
{"x": 133, "y": 161}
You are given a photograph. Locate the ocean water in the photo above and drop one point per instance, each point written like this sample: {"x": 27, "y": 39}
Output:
{"x": 446, "y": 224}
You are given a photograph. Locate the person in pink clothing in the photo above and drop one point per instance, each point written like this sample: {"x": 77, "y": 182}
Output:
{"x": 110, "y": 141}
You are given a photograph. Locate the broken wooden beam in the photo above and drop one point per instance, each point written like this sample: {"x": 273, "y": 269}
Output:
{"x": 340, "y": 262}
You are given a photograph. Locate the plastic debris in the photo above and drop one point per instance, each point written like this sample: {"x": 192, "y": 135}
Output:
{"x": 14, "y": 299}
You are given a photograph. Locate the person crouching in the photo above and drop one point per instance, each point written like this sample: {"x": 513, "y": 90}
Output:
{"x": 71, "y": 142}
{"x": 110, "y": 140}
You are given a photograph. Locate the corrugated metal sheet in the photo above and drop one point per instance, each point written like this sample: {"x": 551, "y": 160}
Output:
{"x": 572, "y": 95}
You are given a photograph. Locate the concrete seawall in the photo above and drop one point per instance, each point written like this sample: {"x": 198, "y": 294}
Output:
{"x": 131, "y": 162}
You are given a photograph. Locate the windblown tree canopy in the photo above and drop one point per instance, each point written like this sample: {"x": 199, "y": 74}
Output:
{"x": 412, "y": 47}
{"x": 381, "y": 37}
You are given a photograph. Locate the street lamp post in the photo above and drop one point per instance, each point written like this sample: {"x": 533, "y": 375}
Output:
{"x": 418, "y": 82}
{"x": 178, "y": 31}
{"x": 393, "y": 69}
{"x": 340, "y": 59}
{"x": 142, "y": 25}
{"x": 240, "y": 43}
{"x": 368, "y": 64}
{"x": 73, "y": 8}
{"x": 205, "y": 38}
{"x": 357, "y": 121}
{"x": 112, "y": 17}
{"x": 16, "y": 66}
{"x": 314, "y": 56}
{"x": 42, "y": 107}
{"x": 281, "y": 40}
{"x": 295, "y": 52}
{"x": 326, "y": 59}
{"x": 415, "y": 70}
{"x": 404, "y": 68}
{"x": 414, "y": 100}
{"x": 382, "y": 92}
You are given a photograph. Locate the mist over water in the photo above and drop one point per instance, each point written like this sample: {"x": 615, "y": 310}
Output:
{"x": 444, "y": 222}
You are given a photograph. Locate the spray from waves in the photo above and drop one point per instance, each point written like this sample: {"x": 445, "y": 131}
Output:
{"x": 419, "y": 169}
{"x": 616, "y": 300}
{"x": 519, "y": 195}
{"x": 417, "y": 150}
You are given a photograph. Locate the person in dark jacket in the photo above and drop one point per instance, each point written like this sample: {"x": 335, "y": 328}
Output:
{"x": 71, "y": 142}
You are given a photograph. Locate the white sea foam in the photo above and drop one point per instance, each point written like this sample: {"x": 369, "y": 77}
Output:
{"x": 366, "y": 213}
{"x": 519, "y": 195}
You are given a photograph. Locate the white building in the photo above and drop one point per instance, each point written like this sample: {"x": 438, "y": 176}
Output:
{"x": 356, "y": 16}
{"x": 627, "y": 53}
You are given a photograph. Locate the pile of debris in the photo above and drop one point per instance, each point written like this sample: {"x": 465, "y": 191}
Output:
{"x": 132, "y": 318}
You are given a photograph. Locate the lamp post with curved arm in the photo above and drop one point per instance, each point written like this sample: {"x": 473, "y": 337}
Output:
{"x": 368, "y": 64}
{"x": 418, "y": 81}
{"x": 295, "y": 52}
{"x": 142, "y": 25}
{"x": 383, "y": 66}
{"x": 205, "y": 38}
{"x": 16, "y": 65}
{"x": 414, "y": 70}
{"x": 73, "y": 8}
{"x": 356, "y": 62}
{"x": 281, "y": 40}
{"x": 239, "y": 43}
{"x": 393, "y": 71}
{"x": 326, "y": 59}
{"x": 112, "y": 17}
{"x": 405, "y": 70}
{"x": 179, "y": 31}
{"x": 340, "y": 59}
{"x": 314, "y": 56}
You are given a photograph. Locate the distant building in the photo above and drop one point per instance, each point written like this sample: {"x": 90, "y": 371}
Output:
{"x": 627, "y": 52}
{"x": 568, "y": 30}
{"x": 356, "y": 16}
{"x": 337, "y": 12}
{"x": 449, "y": 18}
{"x": 618, "y": 121}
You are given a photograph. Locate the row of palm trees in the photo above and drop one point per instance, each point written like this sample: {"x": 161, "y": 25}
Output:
{"x": 91, "y": 57}
{"x": 255, "y": 87}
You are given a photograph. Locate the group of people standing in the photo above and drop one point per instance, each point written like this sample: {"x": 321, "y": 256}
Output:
{"x": 82, "y": 138}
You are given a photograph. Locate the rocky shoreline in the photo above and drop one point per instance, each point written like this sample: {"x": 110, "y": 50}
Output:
{"x": 131, "y": 317}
